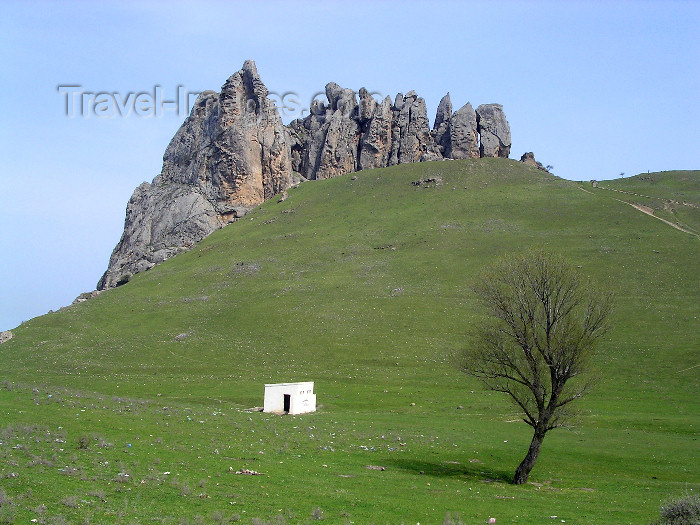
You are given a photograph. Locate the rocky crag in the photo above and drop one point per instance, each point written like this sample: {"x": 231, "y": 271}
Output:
{"x": 233, "y": 152}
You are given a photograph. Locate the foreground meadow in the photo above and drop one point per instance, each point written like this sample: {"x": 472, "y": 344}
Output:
{"x": 136, "y": 406}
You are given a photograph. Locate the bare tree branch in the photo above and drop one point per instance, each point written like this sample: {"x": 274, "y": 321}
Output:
{"x": 544, "y": 322}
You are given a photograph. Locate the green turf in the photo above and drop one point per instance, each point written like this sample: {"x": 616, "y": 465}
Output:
{"x": 362, "y": 286}
{"x": 672, "y": 195}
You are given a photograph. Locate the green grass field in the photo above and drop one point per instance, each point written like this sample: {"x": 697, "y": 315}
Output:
{"x": 108, "y": 413}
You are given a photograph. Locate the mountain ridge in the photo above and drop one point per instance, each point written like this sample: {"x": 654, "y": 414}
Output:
{"x": 233, "y": 152}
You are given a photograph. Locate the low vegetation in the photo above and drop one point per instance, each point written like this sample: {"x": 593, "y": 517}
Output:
{"x": 680, "y": 511}
{"x": 108, "y": 413}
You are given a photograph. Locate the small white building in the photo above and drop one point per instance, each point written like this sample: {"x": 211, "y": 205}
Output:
{"x": 290, "y": 398}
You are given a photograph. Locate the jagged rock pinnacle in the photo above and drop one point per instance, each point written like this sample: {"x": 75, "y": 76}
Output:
{"x": 233, "y": 152}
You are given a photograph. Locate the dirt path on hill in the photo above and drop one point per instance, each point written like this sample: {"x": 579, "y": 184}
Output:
{"x": 650, "y": 211}
{"x": 647, "y": 210}
{"x": 671, "y": 201}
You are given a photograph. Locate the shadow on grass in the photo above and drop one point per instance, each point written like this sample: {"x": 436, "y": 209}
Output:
{"x": 474, "y": 471}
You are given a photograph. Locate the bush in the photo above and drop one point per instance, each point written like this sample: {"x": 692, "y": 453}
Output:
{"x": 681, "y": 511}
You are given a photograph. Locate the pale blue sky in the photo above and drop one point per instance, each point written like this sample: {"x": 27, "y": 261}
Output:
{"x": 593, "y": 88}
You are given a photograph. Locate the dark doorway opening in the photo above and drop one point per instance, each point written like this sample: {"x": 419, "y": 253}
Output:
{"x": 287, "y": 402}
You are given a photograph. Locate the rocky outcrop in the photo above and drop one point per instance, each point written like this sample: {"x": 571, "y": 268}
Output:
{"x": 412, "y": 141}
{"x": 86, "y": 296}
{"x": 456, "y": 134}
{"x": 162, "y": 220}
{"x": 441, "y": 125}
{"x": 346, "y": 135}
{"x": 494, "y": 131}
{"x": 375, "y": 146}
{"x": 5, "y": 336}
{"x": 233, "y": 152}
{"x": 229, "y": 155}
{"x": 529, "y": 160}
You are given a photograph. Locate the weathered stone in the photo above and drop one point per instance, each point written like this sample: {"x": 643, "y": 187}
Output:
{"x": 464, "y": 138}
{"x": 85, "y": 296}
{"x": 326, "y": 145}
{"x": 411, "y": 138}
{"x": 367, "y": 106}
{"x": 339, "y": 153}
{"x": 376, "y": 143}
{"x": 494, "y": 131}
{"x": 441, "y": 126}
{"x": 5, "y": 336}
{"x": 232, "y": 146}
{"x": 307, "y": 137}
{"x": 162, "y": 220}
{"x": 229, "y": 155}
{"x": 529, "y": 160}
{"x": 232, "y": 153}
{"x": 333, "y": 94}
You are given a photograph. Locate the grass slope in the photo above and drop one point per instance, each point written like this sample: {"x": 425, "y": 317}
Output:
{"x": 673, "y": 196}
{"x": 361, "y": 284}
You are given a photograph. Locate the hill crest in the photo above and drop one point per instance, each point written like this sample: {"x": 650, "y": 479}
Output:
{"x": 233, "y": 153}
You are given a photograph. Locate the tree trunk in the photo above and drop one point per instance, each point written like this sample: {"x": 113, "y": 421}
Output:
{"x": 523, "y": 470}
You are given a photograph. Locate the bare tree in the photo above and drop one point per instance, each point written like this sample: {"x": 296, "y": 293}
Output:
{"x": 544, "y": 321}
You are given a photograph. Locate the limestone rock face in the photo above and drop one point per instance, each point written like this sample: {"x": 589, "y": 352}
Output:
{"x": 232, "y": 147}
{"x": 375, "y": 147}
{"x": 229, "y": 155}
{"x": 162, "y": 220}
{"x": 411, "y": 131}
{"x": 464, "y": 138}
{"x": 441, "y": 126}
{"x": 455, "y": 134}
{"x": 233, "y": 152}
{"x": 327, "y": 141}
{"x": 494, "y": 131}
{"x": 367, "y": 106}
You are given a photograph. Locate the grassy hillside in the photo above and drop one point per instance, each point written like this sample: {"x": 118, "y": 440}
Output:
{"x": 673, "y": 196}
{"x": 130, "y": 407}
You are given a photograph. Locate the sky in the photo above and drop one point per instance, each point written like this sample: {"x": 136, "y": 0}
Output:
{"x": 593, "y": 88}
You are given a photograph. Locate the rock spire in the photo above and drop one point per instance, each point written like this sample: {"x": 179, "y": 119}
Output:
{"x": 233, "y": 152}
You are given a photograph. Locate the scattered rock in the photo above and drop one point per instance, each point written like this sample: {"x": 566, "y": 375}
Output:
{"x": 427, "y": 182}
{"x": 5, "y": 336}
{"x": 85, "y": 296}
{"x": 375, "y": 467}
{"x": 529, "y": 160}
{"x": 247, "y": 472}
